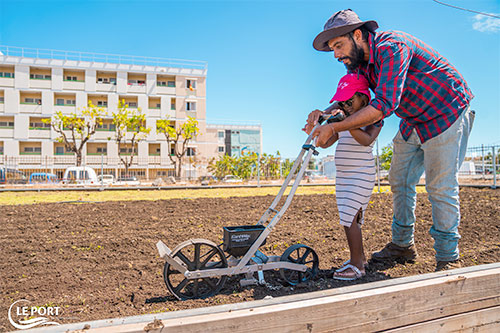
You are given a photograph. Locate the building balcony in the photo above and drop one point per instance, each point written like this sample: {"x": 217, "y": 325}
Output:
{"x": 6, "y": 82}
{"x": 66, "y": 109}
{"x": 136, "y": 88}
{"x": 73, "y": 85}
{"x": 39, "y": 133}
{"x": 101, "y": 134}
{"x": 190, "y": 92}
{"x": 165, "y": 90}
{"x": 30, "y": 108}
{"x": 154, "y": 112}
{"x": 41, "y": 83}
{"x": 106, "y": 87}
{"x": 7, "y": 132}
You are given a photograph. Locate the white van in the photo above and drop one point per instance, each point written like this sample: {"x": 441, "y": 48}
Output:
{"x": 106, "y": 179}
{"x": 80, "y": 175}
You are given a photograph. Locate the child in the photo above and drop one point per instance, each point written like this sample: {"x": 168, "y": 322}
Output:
{"x": 355, "y": 175}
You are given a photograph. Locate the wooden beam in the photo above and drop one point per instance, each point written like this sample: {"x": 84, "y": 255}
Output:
{"x": 485, "y": 320}
{"x": 468, "y": 296}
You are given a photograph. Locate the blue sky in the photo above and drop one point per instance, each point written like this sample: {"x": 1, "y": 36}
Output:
{"x": 261, "y": 64}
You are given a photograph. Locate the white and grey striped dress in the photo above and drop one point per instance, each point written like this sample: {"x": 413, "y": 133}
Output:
{"x": 355, "y": 177}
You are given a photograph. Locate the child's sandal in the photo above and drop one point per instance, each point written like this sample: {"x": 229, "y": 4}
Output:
{"x": 355, "y": 273}
{"x": 365, "y": 265}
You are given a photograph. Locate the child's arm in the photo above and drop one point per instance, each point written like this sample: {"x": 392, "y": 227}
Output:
{"x": 367, "y": 136}
{"x": 330, "y": 141}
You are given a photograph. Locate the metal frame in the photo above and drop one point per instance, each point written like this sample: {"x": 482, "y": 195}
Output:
{"x": 242, "y": 266}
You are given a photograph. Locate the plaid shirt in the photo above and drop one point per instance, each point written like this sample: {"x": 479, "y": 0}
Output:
{"x": 412, "y": 80}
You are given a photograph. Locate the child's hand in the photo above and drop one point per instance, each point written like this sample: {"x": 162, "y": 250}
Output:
{"x": 312, "y": 119}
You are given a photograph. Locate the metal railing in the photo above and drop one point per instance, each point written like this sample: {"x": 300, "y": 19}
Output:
{"x": 480, "y": 168}
{"x": 25, "y": 52}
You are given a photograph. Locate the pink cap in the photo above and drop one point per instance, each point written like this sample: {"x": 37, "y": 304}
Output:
{"x": 349, "y": 85}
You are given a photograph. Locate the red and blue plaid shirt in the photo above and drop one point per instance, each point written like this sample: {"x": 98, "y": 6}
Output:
{"x": 412, "y": 80}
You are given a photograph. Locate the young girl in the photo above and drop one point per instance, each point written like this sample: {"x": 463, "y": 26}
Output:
{"x": 355, "y": 175}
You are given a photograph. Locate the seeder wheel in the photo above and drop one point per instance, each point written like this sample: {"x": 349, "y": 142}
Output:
{"x": 300, "y": 254}
{"x": 196, "y": 254}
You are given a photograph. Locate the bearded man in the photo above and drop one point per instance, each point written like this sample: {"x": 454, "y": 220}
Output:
{"x": 412, "y": 80}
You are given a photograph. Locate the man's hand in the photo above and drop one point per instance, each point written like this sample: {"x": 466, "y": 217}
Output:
{"x": 323, "y": 134}
{"x": 312, "y": 119}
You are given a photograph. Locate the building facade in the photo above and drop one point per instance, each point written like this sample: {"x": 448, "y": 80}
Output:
{"x": 36, "y": 83}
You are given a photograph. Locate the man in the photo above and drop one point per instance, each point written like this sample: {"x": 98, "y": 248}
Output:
{"x": 432, "y": 99}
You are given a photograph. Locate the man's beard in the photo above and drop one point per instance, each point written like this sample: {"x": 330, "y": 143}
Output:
{"x": 356, "y": 58}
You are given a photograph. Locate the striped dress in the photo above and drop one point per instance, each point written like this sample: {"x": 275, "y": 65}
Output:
{"x": 355, "y": 177}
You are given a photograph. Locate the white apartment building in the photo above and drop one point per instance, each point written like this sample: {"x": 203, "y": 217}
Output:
{"x": 35, "y": 83}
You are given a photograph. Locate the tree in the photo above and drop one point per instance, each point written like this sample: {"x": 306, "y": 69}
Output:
{"x": 246, "y": 165}
{"x": 130, "y": 129}
{"x": 222, "y": 167}
{"x": 81, "y": 128}
{"x": 286, "y": 167}
{"x": 386, "y": 157}
{"x": 178, "y": 137}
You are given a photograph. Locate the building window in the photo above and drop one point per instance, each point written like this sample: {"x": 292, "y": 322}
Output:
{"x": 1, "y": 99}
{"x": 221, "y": 134}
{"x": 102, "y": 150}
{"x": 221, "y": 149}
{"x": 136, "y": 82}
{"x": 33, "y": 150}
{"x": 102, "y": 103}
{"x": 28, "y": 100}
{"x": 7, "y": 75}
{"x": 191, "y": 151}
{"x": 127, "y": 150}
{"x": 191, "y": 84}
{"x": 70, "y": 102}
{"x": 40, "y": 77}
{"x": 132, "y": 104}
{"x": 60, "y": 101}
{"x": 171, "y": 84}
{"x": 161, "y": 84}
{"x": 190, "y": 106}
{"x": 71, "y": 78}
{"x": 6, "y": 124}
{"x": 39, "y": 125}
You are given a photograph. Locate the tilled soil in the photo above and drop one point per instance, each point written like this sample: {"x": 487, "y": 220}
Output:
{"x": 99, "y": 260}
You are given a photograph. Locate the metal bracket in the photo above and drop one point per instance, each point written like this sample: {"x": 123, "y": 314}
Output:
{"x": 311, "y": 147}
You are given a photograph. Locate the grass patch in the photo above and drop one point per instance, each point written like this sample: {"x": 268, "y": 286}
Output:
{"x": 27, "y": 198}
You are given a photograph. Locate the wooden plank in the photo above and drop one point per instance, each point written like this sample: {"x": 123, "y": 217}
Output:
{"x": 381, "y": 308}
{"x": 485, "y": 320}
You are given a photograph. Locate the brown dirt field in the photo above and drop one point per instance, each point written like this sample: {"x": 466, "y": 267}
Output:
{"x": 99, "y": 260}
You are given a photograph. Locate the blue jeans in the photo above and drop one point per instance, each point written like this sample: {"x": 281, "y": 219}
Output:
{"x": 440, "y": 158}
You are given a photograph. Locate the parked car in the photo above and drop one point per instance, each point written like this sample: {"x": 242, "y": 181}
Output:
{"x": 12, "y": 176}
{"x": 80, "y": 175}
{"x": 130, "y": 181}
{"x": 106, "y": 179}
{"x": 43, "y": 178}
{"x": 232, "y": 179}
{"x": 207, "y": 180}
